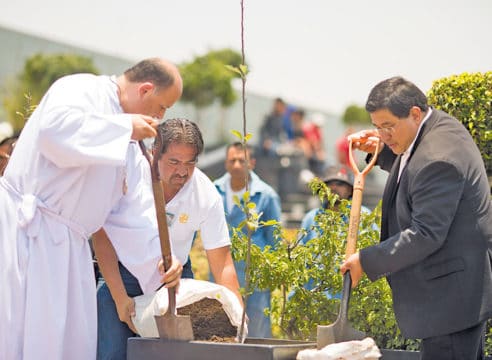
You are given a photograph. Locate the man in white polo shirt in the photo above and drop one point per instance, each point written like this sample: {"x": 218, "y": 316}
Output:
{"x": 129, "y": 260}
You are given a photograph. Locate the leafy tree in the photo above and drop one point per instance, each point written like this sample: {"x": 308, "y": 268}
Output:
{"x": 355, "y": 115}
{"x": 468, "y": 97}
{"x": 207, "y": 79}
{"x": 39, "y": 72}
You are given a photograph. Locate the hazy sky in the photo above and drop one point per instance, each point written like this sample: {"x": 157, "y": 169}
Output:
{"x": 318, "y": 53}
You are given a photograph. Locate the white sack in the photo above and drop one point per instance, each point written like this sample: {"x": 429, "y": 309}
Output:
{"x": 190, "y": 291}
{"x": 349, "y": 350}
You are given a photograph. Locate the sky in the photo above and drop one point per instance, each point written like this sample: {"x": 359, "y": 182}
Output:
{"x": 321, "y": 54}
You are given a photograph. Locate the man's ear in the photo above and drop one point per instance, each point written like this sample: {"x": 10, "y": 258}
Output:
{"x": 416, "y": 113}
{"x": 252, "y": 163}
{"x": 146, "y": 87}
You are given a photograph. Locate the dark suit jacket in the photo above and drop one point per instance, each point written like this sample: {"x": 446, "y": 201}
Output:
{"x": 436, "y": 233}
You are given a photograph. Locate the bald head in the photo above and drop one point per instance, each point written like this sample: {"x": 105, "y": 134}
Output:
{"x": 150, "y": 87}
{"x": 157, "y": 71}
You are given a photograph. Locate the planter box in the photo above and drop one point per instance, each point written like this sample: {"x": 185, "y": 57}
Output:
{"x": 253, "y": 348}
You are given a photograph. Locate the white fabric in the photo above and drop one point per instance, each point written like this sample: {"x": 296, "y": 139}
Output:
{"x": 406, "y": 154}
{"x": 5, "y": 130}
{"x": 64, "y": 176}
{"x": 132, "y": 225}
{"x": 190, "y": 291}
{"x": 348, "y": 350}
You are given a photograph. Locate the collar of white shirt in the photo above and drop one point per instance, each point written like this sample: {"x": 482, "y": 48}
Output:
{"x": 406, "y": 154}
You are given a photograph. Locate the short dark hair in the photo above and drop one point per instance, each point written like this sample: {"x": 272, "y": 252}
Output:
{"x": 241, "y": 146}
{"x": 178, "y": 131}
{"x": 299, "y": 112}
{"x": 398, "y": 95}
{"x": 152, "y": 70}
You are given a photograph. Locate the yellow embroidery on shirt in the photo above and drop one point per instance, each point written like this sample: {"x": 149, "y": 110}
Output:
{"x": 183, "y": 218}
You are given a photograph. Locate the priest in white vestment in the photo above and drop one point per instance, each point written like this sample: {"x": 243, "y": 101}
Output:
{"x": 65, "y": 174}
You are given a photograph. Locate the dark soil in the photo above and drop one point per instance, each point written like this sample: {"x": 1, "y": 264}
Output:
{"x": 209, "y": 321}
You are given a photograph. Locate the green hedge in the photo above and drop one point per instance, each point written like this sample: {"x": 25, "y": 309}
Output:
{"x": 468, "y": 97}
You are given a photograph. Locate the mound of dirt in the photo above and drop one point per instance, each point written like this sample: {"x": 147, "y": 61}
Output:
{"x": 209, "y": 321}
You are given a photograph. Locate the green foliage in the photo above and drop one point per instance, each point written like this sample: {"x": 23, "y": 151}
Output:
{"x": 488, "y": 338}
{"x": 355, "y": 115}
{"x": 468, "y": 97}
{"x": 295, "y": 310}
{"x": 39, "y": 72}
{"x": 209, "y": 77}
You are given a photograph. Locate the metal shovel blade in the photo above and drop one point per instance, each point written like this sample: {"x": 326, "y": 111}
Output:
{"x": 340, "y": 330}
{"x": 174, "y": 327}
{"x": 171, "y": 326}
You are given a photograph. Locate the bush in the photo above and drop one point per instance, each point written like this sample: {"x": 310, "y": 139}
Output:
{"x": 296, "y": 311}
{"x": 468, "y": 97}
{"x": 356, "y": 115}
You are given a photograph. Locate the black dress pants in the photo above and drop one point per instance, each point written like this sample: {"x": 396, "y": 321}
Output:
{"x": 467, "y": 344}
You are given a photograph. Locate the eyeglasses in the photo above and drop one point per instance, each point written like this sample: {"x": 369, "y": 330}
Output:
{"x": 176, "y": 163}
{"x": 387, "y": 130}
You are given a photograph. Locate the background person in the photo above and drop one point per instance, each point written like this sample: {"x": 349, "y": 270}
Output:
{"x": 313, "y": 133}
{"x": 436, "y": 231}
{"x": 341, "y": 183}
{"x": 128, "y": 247}
{"x": 65, "y": 175}
{"x": 239, "y": 166}
{"x": 273, "y": 131}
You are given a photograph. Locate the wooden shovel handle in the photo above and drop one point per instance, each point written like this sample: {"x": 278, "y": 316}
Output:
{"x": 160, "y": 208}
{"x": 359, "y": 179}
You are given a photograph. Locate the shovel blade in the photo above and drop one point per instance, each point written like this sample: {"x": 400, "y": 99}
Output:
{"x": 174, "y": 327}
{"x": 339, "y": 331}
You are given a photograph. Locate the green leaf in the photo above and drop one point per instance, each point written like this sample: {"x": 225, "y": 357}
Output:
{"x": 237, "y": 134}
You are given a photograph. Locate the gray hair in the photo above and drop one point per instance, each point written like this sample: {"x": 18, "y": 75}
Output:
{"x": 398, "y": 95}
{"x": 178, "y": 131}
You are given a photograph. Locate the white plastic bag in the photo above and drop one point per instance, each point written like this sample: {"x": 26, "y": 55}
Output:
{"x": 190, "y": 291}
{"x": 349, "y": 350}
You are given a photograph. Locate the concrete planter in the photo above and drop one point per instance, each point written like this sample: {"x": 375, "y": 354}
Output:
{"x": 253, "y": 348}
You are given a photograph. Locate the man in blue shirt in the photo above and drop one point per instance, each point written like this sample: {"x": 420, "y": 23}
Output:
{"x": 239, "y": 165}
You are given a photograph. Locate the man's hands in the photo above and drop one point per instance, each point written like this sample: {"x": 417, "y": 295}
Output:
{"x": 353, "y": 265}
{"x": 172, "y": 276}
{"x": 125, "y": 306}
{"x": 366, "y": 140}
{"x": 143, "y": 127}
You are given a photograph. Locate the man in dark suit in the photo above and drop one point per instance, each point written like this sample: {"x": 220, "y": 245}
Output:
{"x": 436, "y": 231}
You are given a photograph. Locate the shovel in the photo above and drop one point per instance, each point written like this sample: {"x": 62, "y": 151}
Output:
{"x": 341, "y": 330}
{"x": 170, "y": 326}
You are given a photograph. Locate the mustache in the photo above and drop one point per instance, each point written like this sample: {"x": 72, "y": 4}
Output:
{"x": 184, "y": 177}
